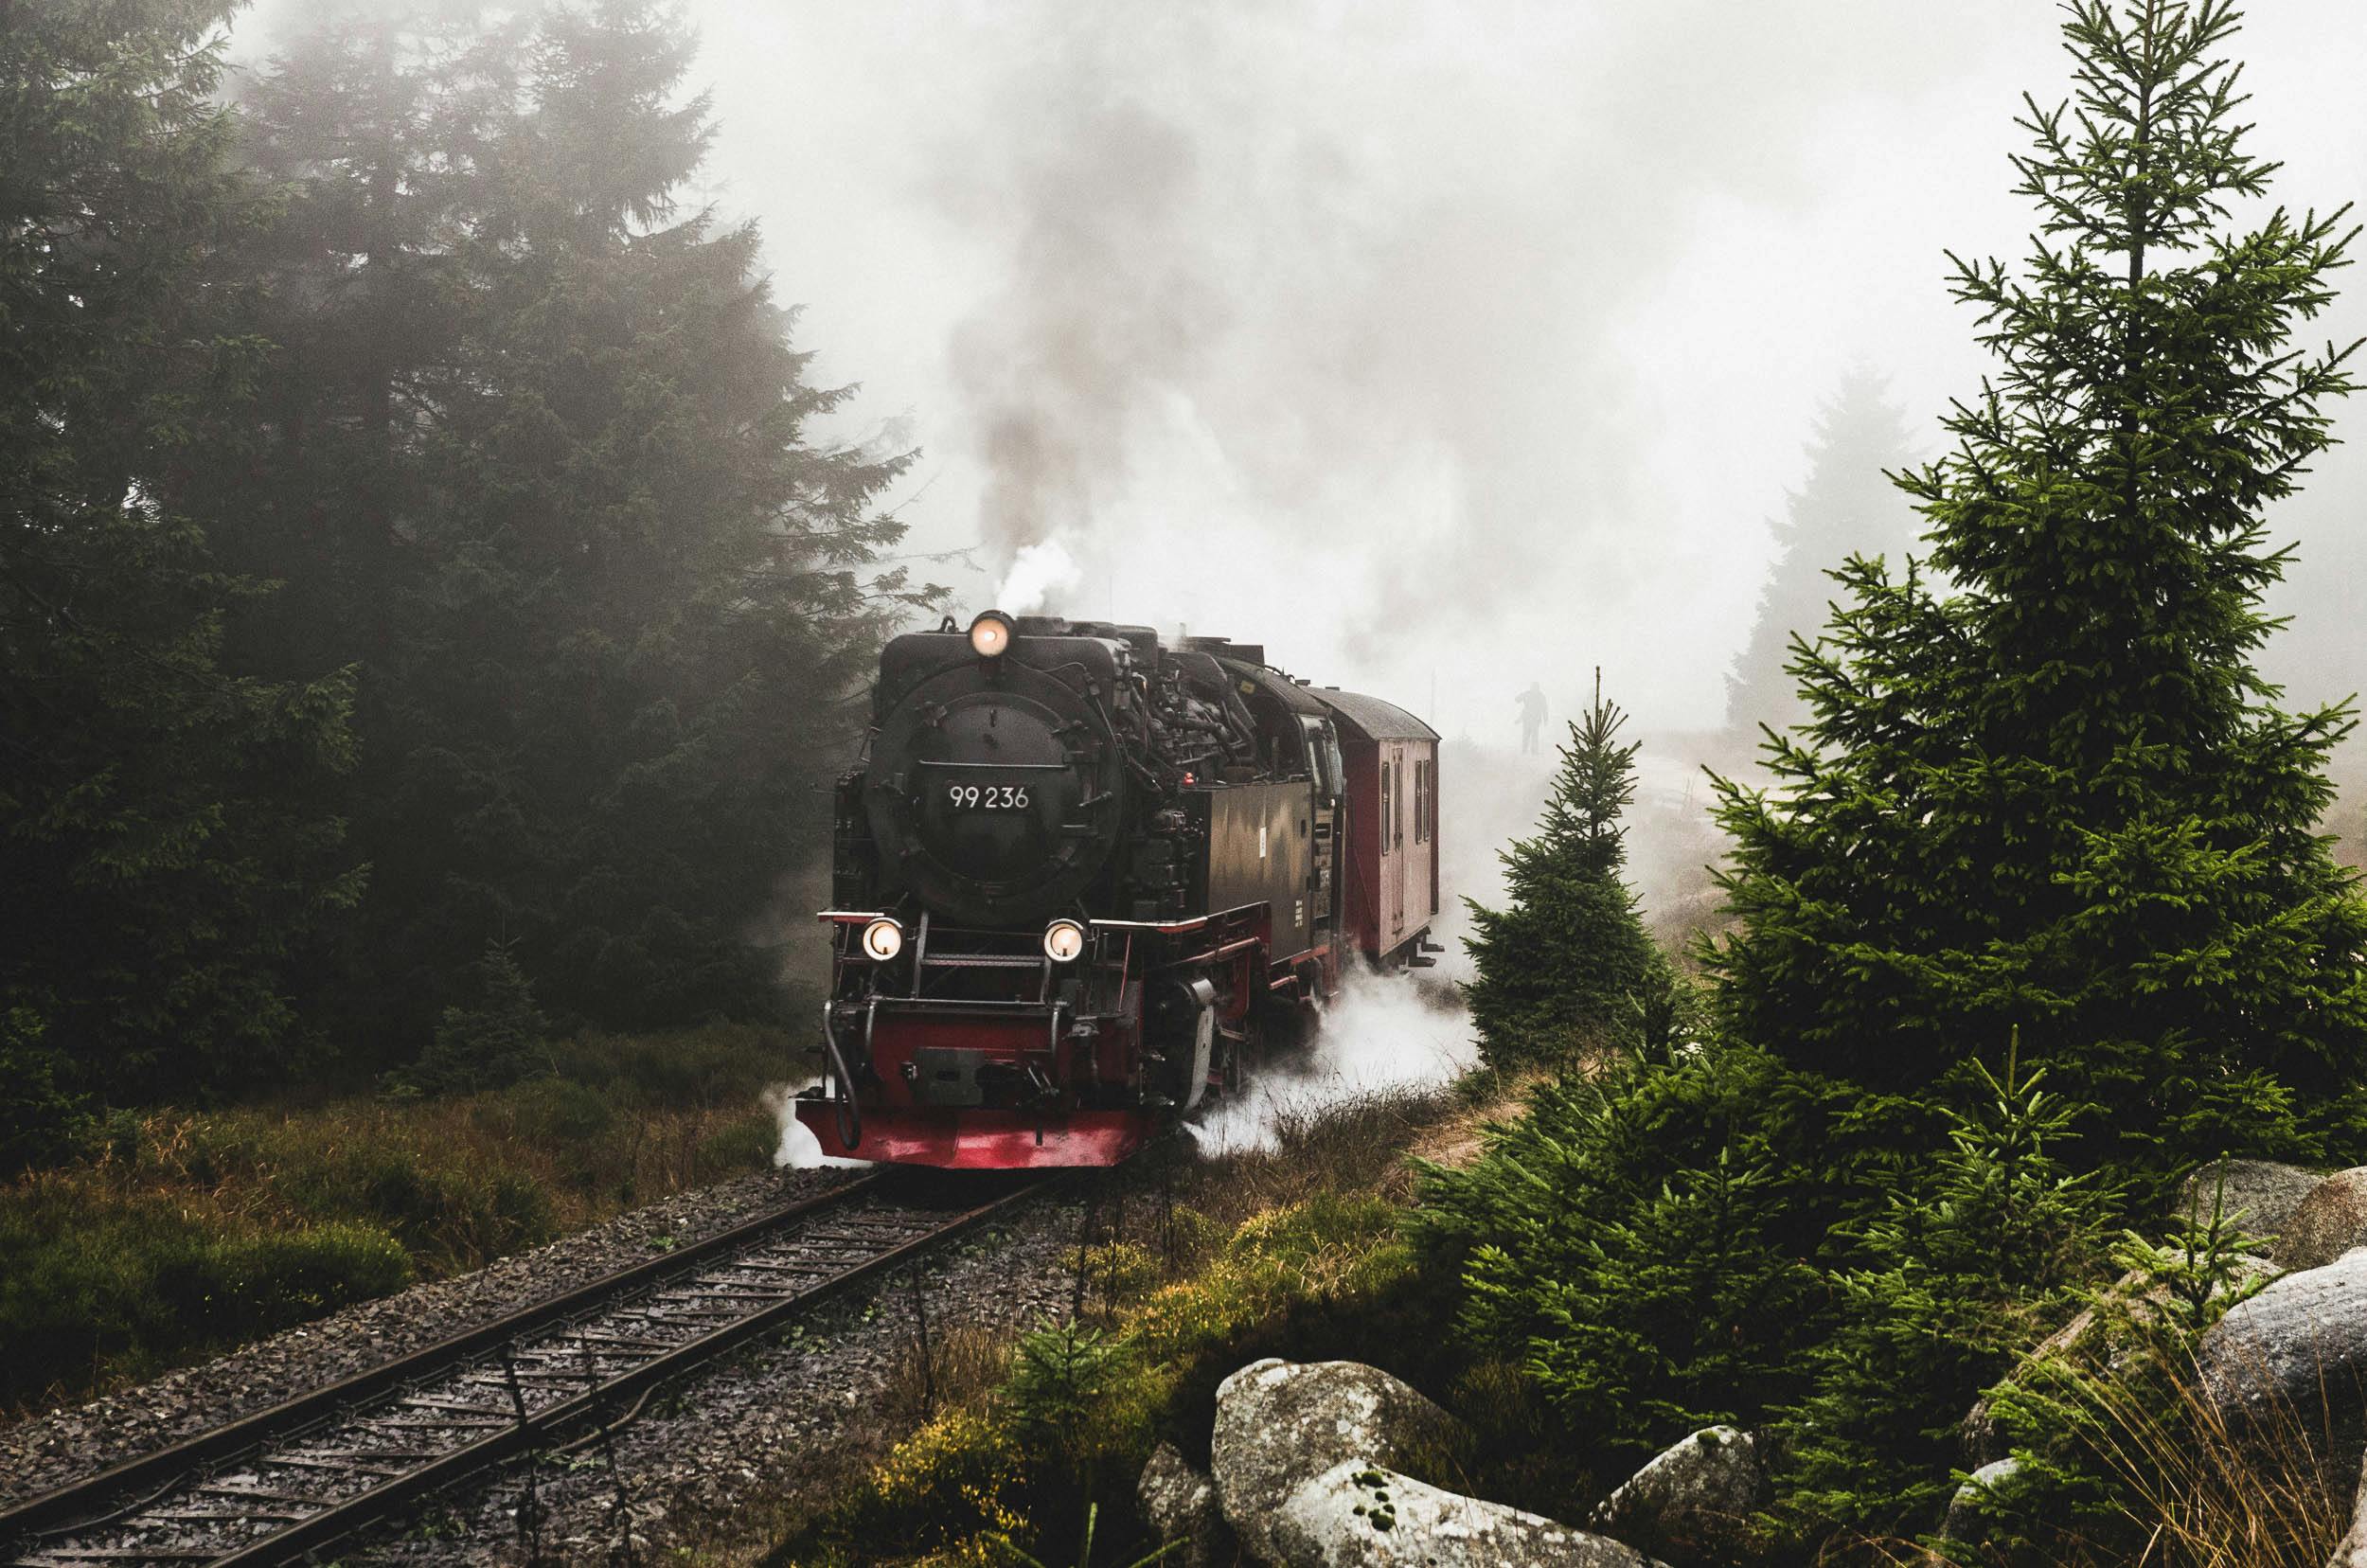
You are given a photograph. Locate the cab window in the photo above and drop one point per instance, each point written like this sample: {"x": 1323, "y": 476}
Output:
{"x": 1318, "y": 760}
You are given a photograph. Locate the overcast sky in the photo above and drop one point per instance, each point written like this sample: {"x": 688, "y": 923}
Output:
{"x": 1452, "y": 344}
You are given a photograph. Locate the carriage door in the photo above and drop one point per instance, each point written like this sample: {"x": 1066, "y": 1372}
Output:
{"x": 1393, "y": 848}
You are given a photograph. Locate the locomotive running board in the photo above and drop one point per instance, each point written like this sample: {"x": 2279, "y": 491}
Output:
{"x": 974, "y": 1139}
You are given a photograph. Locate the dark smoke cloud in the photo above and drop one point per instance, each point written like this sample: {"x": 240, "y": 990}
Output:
{"x": 1307, "y": 266}
{"x": 1458, "y": 343}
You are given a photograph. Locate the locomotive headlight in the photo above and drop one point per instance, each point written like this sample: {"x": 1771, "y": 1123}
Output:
{"x": 883, "y": 938}
{"x": 990, "y": 635}
{"x": 1063, "y": 941}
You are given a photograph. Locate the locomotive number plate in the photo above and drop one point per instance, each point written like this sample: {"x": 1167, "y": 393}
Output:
{"x": 986, "y": 797}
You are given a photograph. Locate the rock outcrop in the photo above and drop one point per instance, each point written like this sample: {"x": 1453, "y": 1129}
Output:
{"x": 2258, "y": 1196}
{"x": 2292, "y": 1361}
{"x": 1181, "y": 1503}
{"x": 1691, "y": 1504}
{"x": 1279, "y": 1424}
{"x": 2325, "y": 1224}
{"x": 1334, "y": 1464}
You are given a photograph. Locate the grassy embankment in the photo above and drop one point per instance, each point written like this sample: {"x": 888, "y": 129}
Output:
{"x": 1008, "y": 1439}
{"x": 1297, "y": 1252}
{"x": 183, "y": 1233}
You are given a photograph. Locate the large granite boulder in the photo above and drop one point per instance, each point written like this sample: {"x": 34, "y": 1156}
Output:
{"x": 2255, "y": 1196}
{"x": 2325, "y": 1224}
{"x": 1280, "y": 1422}
{"x": 1693, "y": 1501}
{"x": 1181, "y": 1503}
{"x": 1333, "y": 1464}
{"x": 1366, "y": 1516}
{"x": 2293, "y": 1361}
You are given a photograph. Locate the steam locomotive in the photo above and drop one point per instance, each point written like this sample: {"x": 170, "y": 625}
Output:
{"x": 1083, "y": 877}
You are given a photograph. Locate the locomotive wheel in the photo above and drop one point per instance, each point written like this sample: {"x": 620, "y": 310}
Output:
{"x": 1288, "y": 1025}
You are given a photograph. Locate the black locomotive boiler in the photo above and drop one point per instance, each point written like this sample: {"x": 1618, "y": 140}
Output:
{"x": 1083, "y": 874}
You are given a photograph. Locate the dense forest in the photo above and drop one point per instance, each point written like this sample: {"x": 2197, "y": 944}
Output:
{"x": 419, "y": 575}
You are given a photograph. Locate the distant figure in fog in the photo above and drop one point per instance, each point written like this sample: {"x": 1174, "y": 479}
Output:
{"x": 1532, "y": 717}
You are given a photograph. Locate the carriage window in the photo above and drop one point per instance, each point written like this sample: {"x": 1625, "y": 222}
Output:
{"x": 1396, "y": 821}
{"x": 1388, "y": 805}
{"x": 1421, "y": 801}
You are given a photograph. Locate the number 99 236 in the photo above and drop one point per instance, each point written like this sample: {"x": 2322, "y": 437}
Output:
{"x": 987, "y": 798}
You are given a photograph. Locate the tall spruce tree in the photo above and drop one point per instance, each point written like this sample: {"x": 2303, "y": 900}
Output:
{"x": 163, "y": 853}
{"x": 2059, "y": 797}
{"x": 540, "y": 462}
{"x": 1846, "y": 507}
{"x": 645, "y": 585}
{"x": 1567, "y": 959}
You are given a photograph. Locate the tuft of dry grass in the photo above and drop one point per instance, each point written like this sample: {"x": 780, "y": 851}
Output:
{"x": 2193, "y": 1481}
{"x": 2207, "y": 1486}
{"x": 964, "y": 1365}
{"x": 1356, "y": 1143}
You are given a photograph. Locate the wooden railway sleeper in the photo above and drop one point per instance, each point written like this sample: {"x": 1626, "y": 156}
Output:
{"x": 343, "y": 1464}
{"x": 434, "y": 1401}
{"x": 630, "y": 1342}
{"x": 437, "y": 1423}
{"x": 265, "y": 1494}
{"x": 123, "y": 1554}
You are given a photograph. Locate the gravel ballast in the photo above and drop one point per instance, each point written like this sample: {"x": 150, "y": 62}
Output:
{"x": 779, "y": 1426}
{"x": 45, "y": 1451}
{"x": 783, "y": 1422}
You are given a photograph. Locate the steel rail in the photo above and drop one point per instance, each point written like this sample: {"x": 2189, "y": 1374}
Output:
{"x": 83, "y": 1507}
{"x": 74, "y": 1501}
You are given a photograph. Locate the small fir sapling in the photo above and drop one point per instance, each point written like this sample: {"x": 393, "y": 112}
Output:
{"x": 499, "y": 1037}
{"x": 1956, "y": 1277}
{"x": 1560, "y": 966}
{"x": 2117, "y": 1451}
{"x": 1639, "y": 1242}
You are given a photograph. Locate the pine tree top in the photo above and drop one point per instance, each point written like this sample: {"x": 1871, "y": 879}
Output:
{"x": 1579, "y": 831}
{"x": 2101, "y": 512}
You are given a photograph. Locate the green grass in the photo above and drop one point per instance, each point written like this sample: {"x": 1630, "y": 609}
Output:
{"x": 179, "y": 1234}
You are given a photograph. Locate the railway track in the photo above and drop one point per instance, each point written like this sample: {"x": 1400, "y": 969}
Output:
{"x": 290, "y": 1481}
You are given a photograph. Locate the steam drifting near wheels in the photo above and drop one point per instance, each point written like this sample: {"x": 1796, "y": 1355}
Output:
{"x": 1082, "y": 875}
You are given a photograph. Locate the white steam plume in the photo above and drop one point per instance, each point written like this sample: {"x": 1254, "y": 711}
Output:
{"x": 799, "y": 1148}
{"x": 1040, "y": 574}
{"x": 1383, "y": 1032}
